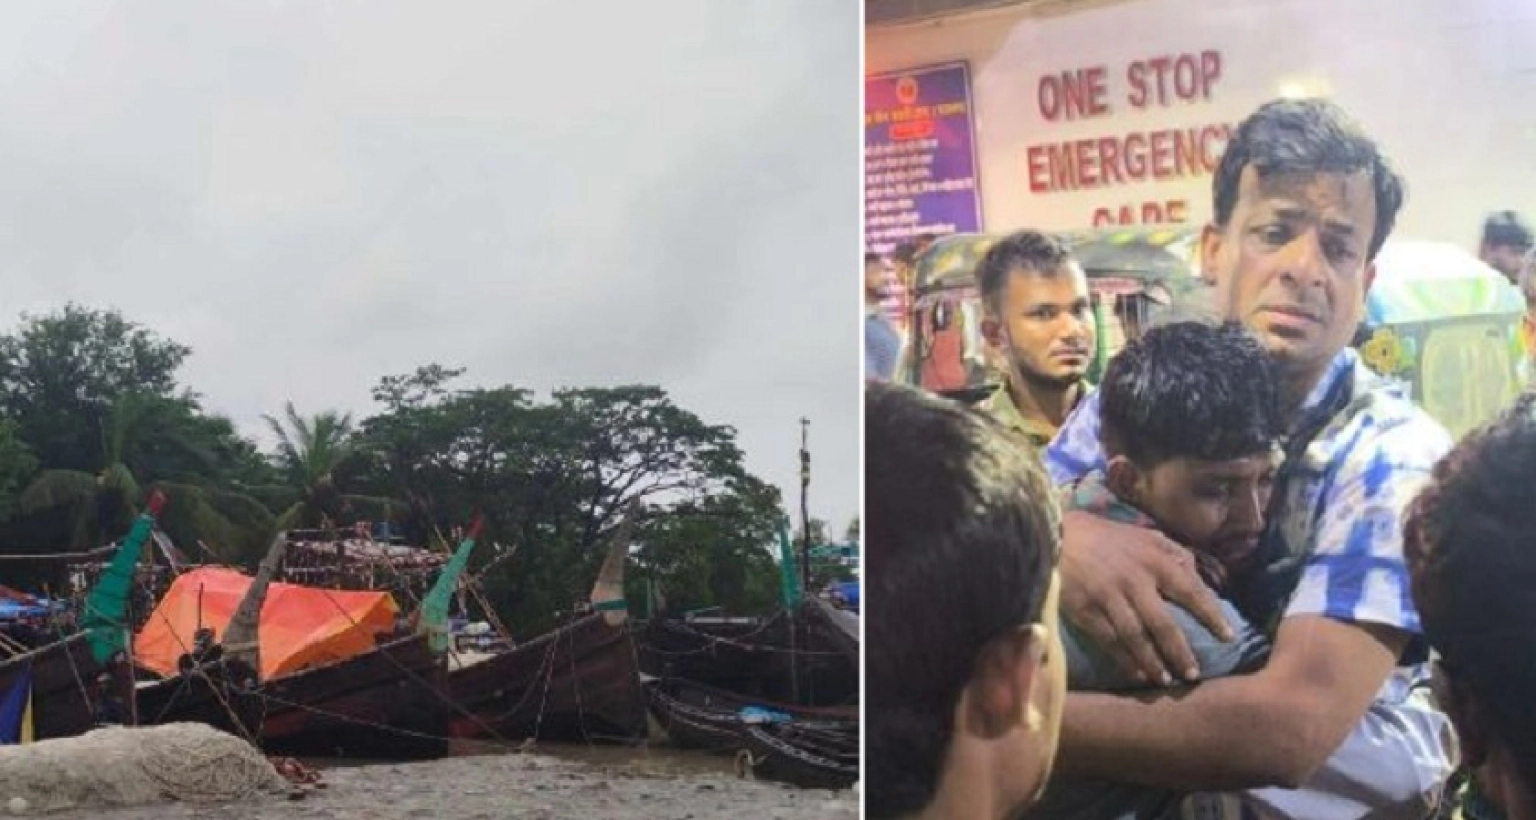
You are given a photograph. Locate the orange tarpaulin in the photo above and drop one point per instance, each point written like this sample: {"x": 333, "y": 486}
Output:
{"x": 299, "y": 626}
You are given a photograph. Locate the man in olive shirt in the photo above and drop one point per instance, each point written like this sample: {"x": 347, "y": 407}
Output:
{"x": 1038, "y": 320}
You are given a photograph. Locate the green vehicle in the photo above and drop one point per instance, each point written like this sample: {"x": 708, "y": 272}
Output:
{"x": 1133, "y": 274}
{"x": 1448, "y": 326}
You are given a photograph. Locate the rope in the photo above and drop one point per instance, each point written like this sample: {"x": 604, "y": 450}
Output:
{"x": 74, "y": 670}
{"x": 498, "y": 744}
{"x": 417, "y": 679}
{"x": 713, "y": 641}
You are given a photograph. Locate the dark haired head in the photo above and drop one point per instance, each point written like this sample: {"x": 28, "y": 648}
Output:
{"x": 1307, "y": 137}
{"x": 961, "y": 537}
{"x": 870, "y": 257}
{"x": 1190, "y": 390}
{"x": 904, "y": 253}
{"x": 1505, "y": 229}
{"x": 1470, "y": 540}
{"x": 1029, "y": 251}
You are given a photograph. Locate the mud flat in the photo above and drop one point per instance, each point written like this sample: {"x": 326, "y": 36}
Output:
{"x": 630, "y": 784}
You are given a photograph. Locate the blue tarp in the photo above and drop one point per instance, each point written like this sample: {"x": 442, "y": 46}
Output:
{"x": 849, "y": 591}
{"x": 12, "y": 610}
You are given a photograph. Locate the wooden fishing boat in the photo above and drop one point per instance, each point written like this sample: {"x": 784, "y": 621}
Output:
{"x": 80, "y": 681}
{"x": 387, "y": 703}
{"x": 354, "y": 697}
{"x": 580, "y": 682}
{"x": 805, "y": 656}
{"x": 702, "y": 717}
{"x": 65, "y": 691}
{"x": 747, "y": 657}
{"x": 811, "y": 756}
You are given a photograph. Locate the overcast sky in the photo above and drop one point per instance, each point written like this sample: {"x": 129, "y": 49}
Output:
{"x": 314, "y": 195}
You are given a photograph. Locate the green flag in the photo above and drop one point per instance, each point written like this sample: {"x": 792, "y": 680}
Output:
{"x": 106, "y": 607}
{"x": 434, "y": 607}
{"x": 787, "y": 567}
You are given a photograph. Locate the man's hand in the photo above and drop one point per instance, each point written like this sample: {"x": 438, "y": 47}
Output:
{"x": 1320, "y": 680}
{"x": 1114, "y": 580}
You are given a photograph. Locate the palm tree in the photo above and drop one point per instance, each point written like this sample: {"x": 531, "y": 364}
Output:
{"x": 138, "y": 428}
{"x": 309, "y": 451}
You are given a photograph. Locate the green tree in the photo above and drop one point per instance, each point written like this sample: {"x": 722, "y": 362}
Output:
{"x": 156, "y": 438}
{"x": 16, "y": 466}
{"x": 553, "y": 477}
{"x": 720, "y": 551}
{"x": 60, "y": 374}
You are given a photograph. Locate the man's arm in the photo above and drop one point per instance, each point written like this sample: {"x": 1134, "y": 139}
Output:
{"x": 1341, "y": 637}
{"x": 1272, "y": 728}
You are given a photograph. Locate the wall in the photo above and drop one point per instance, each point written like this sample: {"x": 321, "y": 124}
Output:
{"x": 1447, "y": 86}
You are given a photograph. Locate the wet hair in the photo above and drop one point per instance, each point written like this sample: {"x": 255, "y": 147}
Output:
{"x": 1026, "y": 250}
{"x": 1470, "y": 541}
{"x": 1190, "y": 390}
{"x": 1307, "y": 137}
{"x": 962, "y": 535}
{"x": 1505, "y": 229}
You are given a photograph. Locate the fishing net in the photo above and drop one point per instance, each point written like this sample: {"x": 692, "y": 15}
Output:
{"x": 120, "y": 766}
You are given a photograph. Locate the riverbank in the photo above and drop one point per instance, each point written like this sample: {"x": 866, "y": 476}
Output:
{"x": 589, "y": 784}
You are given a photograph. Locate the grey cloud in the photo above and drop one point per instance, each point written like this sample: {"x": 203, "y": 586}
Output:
{"x": 316, "y": 195}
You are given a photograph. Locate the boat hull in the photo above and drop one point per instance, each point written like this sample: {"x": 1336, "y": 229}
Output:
{"x": 387, "y": 703}
{"x": 811, "y": 758}
{"x": 579, "y": 683}
{"x": 390, "y": 703}
{"x": 702, "y": 717}
{"x": 64, "y": 687}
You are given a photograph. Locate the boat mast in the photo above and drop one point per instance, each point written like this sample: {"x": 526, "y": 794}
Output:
{"x": 241, "y": 636}
{"x": 805, "y": 514}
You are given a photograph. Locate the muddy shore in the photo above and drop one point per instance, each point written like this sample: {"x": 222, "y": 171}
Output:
{"x": 621, "y": 784}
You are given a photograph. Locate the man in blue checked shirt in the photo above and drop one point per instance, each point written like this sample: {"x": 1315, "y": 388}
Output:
{"x": 1333, "y": 726}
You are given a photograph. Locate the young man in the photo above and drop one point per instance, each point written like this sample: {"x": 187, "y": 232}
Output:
{"x": 1471, "y": 544}
{"x": 882, "y": 342}
{"x": 964, "y": 677}
{"x": 1506, "y": 241}
{"x": 1038, "y": 319}
{"x": 1191, "y": 426}
{"x": 1303, "y": 201}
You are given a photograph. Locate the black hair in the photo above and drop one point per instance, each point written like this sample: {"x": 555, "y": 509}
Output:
{"x": 871, "y": 256}
{"x": 1190, "y": 390}
{"x": 1470, "y": 541}
{"x": 905, "y": 253}
{"x": 1506, "y": 229}
{"x": 1025, "y": 250}
{"x": 962, "y": 535}
{"x": 1307, "y": 137}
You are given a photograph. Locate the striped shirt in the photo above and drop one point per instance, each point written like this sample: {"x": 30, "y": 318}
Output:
{"x": 1343, "y": 511}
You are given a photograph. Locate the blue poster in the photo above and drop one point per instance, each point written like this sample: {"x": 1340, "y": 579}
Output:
{"x": 919, "y": 156}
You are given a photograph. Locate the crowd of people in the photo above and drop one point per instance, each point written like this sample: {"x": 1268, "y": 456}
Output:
{"x": 1242, "y": 576}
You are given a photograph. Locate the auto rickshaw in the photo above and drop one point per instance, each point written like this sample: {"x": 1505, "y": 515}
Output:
{"x": 1448, "y": 326}
{"x": 1133, "y": 273}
